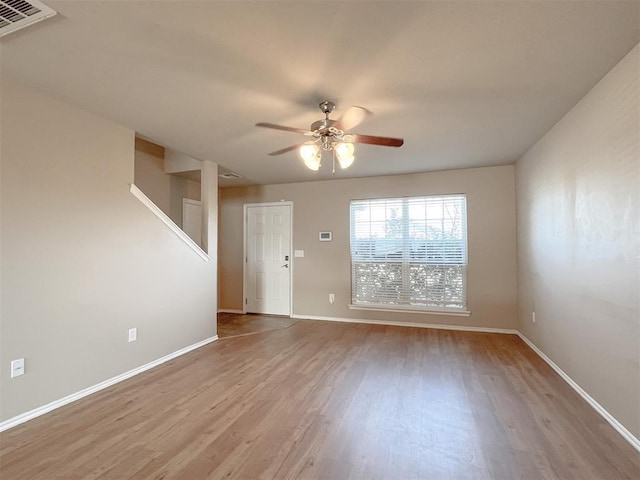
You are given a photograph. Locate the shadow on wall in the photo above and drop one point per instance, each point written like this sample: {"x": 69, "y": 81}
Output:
{"x": 177, "y": 194}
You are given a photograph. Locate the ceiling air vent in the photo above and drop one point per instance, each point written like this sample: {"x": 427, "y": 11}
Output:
{"x": 229, "y": 175}
{"x": 17, "y": 14}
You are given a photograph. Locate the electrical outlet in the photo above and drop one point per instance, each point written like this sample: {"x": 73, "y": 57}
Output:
{"x": 533, "y": 317}
{"x": 17, "y": 367}
{"x": 133, "y": 334}
{"x": 332, "y": 298}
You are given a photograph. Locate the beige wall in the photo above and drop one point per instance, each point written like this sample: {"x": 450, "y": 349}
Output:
{"x": 82, "y": 259}
{"x": 320, "y": 206}
{"x": 579, "y": 243}
{"x": 166, "y": 191}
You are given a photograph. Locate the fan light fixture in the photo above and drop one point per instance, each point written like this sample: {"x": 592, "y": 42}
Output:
{"x": 311, "y": 155}
{"x": 344, "y": 152}
{"x": 329, "y": 136}
{"x": 311, "y": 152}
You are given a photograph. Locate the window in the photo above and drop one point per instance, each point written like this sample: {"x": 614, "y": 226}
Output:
{"x": 409, "y": 253}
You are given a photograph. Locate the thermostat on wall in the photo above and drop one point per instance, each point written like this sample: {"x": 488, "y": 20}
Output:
{"x": 326, "y": 236}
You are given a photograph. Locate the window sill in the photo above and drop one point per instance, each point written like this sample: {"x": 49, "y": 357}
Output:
{"x": 423, "y": 311}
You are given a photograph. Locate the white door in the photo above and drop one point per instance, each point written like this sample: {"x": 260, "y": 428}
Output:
{"x": 192, "y": 219}
{"x": 268, "y": 247}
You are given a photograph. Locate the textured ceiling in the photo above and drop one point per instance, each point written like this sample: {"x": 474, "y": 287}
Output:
{"x": 464, "y": 83}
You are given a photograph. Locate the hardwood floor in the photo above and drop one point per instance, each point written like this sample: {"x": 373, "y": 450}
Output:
{"x": 234, "y": 325}
{"x": 332, "y": 401}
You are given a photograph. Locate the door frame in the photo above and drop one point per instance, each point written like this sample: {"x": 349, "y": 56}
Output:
{"x": 245, "y": 218}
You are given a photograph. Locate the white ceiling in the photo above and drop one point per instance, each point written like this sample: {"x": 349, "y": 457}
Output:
{"x": 464, "y": 83}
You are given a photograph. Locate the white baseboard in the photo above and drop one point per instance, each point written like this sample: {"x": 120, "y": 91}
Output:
{"x": 626, "y": 434}
{"x": 408, "y": 324}
{"x": 36, "y": 412}
{"x": 231, "y": 310}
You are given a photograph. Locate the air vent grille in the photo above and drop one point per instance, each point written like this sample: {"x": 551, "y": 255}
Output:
{"x": 229, "y": 175}
{"x": 17, "y": 14}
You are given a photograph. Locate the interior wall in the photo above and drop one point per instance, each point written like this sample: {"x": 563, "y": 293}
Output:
{"x": 149, "y": 175}
{"x": 82, "y": 259}
{"x": 166, "y": 191}
{"x": 325, "y": 268}
{"x": 579, "y": 243}
{"x": 192, "y": 189}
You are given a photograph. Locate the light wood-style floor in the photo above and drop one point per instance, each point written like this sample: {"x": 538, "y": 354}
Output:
{"x": 235, "y": 325}
{"x": 328, "y": 400}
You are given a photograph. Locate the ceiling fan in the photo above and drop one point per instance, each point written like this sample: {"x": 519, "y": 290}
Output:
{"x": 330, "y": 135}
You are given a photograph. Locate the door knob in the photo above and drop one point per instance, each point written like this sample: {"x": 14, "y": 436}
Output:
{"x": 286, "y": 265}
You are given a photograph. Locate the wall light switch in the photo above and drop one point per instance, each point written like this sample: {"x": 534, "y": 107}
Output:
{"x": 133, "y": 334}
{"x": 17, "y": 367}
{"x": 298, "y": 253}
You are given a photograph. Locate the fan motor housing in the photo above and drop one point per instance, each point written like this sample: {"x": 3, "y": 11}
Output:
{"x": 322, "y": 124}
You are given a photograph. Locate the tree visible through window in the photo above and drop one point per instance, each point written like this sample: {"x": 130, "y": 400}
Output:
{"x": 409, "y": 252}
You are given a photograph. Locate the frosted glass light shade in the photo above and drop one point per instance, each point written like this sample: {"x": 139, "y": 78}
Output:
{"x": 344, "y": 152}
{"x": 310, "y": 154}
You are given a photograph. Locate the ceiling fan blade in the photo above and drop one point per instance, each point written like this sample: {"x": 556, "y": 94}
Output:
{"x": 287, "y": 149}
{"x": 352, "y": 117}
{"x": 282, "y": 127}
{"x": 383, "y": 141}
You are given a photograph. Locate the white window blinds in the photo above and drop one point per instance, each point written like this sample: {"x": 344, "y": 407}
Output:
{"x": 409, "y": 252}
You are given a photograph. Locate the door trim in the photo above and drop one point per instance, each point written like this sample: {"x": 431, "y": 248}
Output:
{"x": 245, "y": 208}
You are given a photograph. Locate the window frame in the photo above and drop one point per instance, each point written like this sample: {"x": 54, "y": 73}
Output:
{"x": 455, "y": 253}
